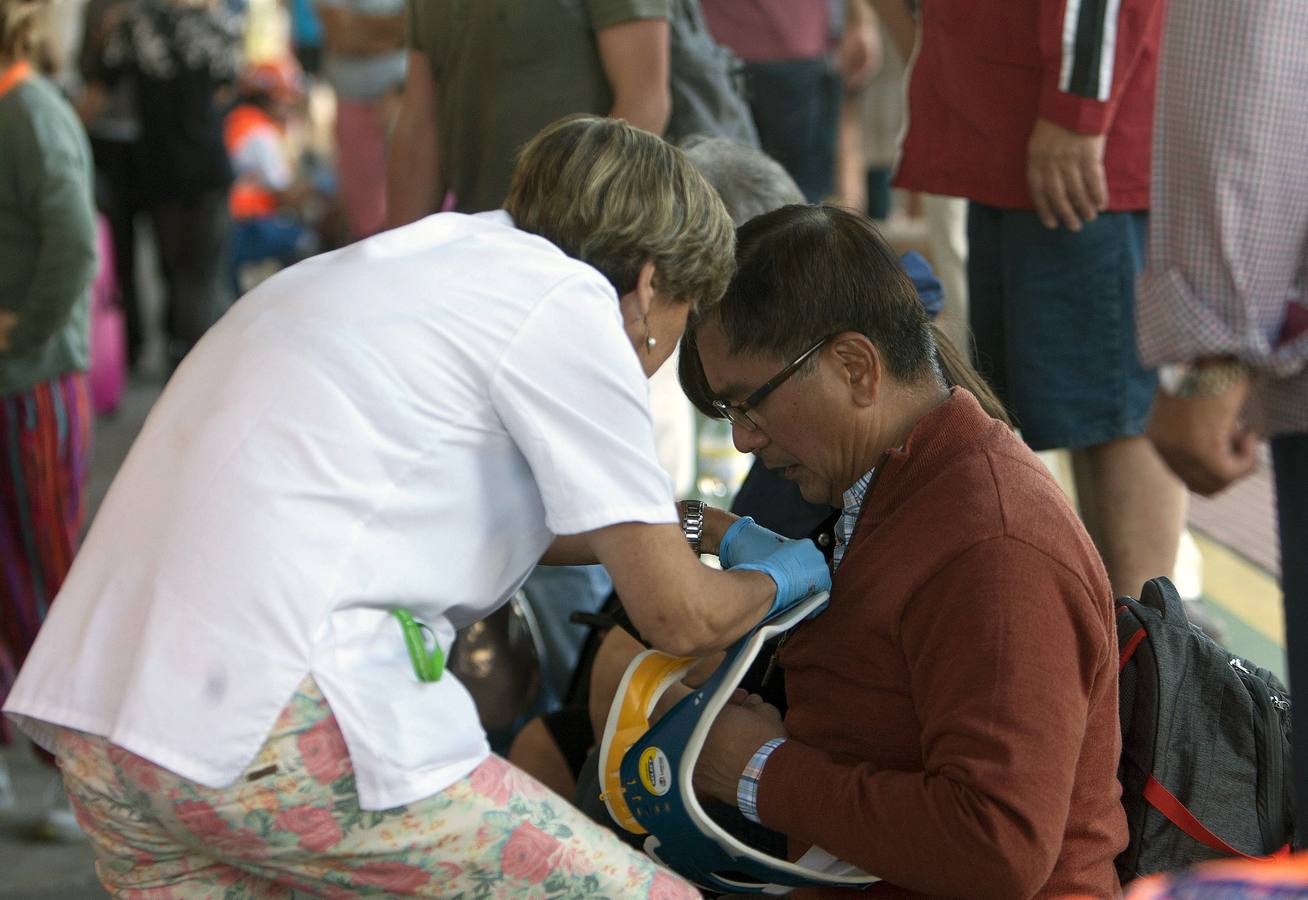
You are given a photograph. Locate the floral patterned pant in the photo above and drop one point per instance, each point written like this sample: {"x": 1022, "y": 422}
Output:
{"x": 292, "y": 822}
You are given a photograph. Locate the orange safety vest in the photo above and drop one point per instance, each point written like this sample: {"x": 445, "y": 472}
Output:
{"x": 247, "y": 200}
{"x": 14, "y": 75}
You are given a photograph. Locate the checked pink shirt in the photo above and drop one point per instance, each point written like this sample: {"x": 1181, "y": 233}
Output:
{"x": 1228, "y": 231}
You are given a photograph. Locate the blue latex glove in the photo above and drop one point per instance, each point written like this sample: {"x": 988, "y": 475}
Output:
{"x": 798, "y": 568}
{"x": 746, "y": 541}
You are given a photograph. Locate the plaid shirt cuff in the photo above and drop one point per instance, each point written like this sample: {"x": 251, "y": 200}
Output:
{"x": 747, "y": 787}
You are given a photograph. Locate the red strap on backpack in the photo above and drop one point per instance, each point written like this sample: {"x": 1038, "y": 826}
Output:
{"x": 1129, "y": 649}
{"x": 1161, "y": 799}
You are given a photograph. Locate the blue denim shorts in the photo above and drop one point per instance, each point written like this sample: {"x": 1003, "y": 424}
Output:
{"x": 1053, "y": 315}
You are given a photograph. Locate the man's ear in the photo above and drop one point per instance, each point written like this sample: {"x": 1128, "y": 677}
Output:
{"x": 862, "y": 366}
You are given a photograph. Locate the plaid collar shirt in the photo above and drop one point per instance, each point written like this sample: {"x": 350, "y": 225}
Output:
{"x": 849, "y": 517}
{"x": 1228, "y": 231}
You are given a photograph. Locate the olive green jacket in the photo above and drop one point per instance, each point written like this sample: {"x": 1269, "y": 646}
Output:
{"x": 47, "y": 235}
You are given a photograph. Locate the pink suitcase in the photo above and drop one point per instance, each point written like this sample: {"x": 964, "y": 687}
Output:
{"x": 108, "y": 374}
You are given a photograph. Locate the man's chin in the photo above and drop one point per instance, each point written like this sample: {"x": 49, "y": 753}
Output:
{"x": 812, "y": 491}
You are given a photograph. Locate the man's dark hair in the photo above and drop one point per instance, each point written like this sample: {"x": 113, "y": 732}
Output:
{"x": 807, "y": 272}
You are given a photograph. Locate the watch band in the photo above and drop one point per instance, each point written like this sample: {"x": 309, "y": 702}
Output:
{"x": 1203, "y": 378}
{"x": 692, "y": 522}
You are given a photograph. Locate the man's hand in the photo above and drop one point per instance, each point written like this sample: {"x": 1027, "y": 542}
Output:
{"x": 7, "y": 322}
{"x": 1201, "y": 438}
{"x": 858, "y": 54}
{"x": 743, "y": 726}
{"x": 1065, "y": 171}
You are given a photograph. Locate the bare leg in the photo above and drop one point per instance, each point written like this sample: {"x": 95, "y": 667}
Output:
{"x": 1133, "y": 507}
{"x": 535, "y": 752}
{"x": 947, "y": 242}
{"x": 615, "y": 653}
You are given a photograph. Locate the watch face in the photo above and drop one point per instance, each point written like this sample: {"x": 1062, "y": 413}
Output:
{"x": 1171, "y": 377}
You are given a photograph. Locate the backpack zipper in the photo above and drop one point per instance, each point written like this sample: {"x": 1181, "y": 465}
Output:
{"x": 1270, "y": 786}
{"x": 1282, "y": 704}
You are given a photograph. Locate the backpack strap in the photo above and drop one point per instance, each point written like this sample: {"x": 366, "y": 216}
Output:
{"x": 1163, "y": 800}
{"x": 1128, "y": 649}
{"x": 1128, "y": 639}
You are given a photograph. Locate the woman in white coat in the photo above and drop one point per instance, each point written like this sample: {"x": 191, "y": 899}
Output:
{"x": 242, "y": 677}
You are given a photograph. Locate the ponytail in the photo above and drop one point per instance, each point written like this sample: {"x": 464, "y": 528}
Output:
{"x": 958, "y": 372}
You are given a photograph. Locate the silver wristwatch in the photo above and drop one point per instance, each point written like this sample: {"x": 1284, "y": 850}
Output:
{"x": 692, "y": 522}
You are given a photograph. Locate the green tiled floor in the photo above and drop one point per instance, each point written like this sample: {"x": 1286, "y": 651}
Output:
{"x": 1247, "y": 602}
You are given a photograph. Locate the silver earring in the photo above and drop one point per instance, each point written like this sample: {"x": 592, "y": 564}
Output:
{"x": 649, "y": 339}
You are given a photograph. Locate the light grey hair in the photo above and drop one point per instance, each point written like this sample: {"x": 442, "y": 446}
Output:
{"x": 749, "y": 181}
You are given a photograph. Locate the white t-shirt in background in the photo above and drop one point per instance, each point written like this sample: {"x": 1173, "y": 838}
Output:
{"x": 260, "y": 159}
{"x": 404, "y": 422}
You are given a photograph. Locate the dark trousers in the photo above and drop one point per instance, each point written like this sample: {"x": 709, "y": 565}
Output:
{"x": 796, "y": 107}
{"x": 192, "y": 235}
{"x": 1046, "y": 308}
{"x": 118, "y": 192}
{"x": 1290, "y": 463}
{"x": 280, "y": 238}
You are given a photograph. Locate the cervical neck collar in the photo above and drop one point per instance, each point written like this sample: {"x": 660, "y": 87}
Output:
{"x": 647, "y": 773}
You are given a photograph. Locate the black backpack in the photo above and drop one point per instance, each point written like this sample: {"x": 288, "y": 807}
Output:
{"x": 1205, "y": 765}
{"x": 706, "y": 82}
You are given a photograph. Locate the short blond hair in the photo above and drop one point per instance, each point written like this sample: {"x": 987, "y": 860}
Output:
{"x": 615, "y": 196}
{"x": 22, "y": 23}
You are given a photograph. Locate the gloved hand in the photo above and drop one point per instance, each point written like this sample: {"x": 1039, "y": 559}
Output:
{"x": 746, "y": 541}
{"x": 798, "y": 568}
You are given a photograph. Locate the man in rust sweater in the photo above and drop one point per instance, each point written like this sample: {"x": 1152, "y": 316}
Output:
{"x": 952, "y": 715}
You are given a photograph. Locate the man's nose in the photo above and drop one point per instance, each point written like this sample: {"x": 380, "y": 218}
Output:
{"x": 747, "y": 441}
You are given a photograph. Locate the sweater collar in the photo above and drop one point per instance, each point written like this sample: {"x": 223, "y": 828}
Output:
{"x": 937, "y": 439}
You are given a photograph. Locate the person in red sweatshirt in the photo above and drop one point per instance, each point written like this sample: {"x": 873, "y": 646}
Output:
{"x": 951, "y": 722}
{"x": 1041, "y": 115}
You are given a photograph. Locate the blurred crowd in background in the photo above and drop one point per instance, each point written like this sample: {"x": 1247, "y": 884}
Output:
{"x": 233, "y": 138}
{"x": 245, "y": 135}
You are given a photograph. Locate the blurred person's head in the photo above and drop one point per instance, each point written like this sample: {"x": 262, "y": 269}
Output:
{"x": 275, "y": 86}
{"x": 630, "y": 205}
{"x": 820, "y": 352}
{"x": 22, "y": 27}
{"x": 749, "y": 181}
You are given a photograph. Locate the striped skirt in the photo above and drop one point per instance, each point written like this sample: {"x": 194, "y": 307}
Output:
{"x": 45, "y": 443}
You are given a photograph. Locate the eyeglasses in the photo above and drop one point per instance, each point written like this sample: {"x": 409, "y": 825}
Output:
{"x": 738, "y": 413}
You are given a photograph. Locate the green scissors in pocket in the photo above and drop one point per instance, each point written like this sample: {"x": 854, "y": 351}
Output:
{"x": 428, "y": 665}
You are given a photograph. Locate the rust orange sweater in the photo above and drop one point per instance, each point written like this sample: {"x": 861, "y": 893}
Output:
{"x": 953, "y": 713}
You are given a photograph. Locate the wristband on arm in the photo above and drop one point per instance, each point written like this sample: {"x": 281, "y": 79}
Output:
{"x": 747, "y": 787}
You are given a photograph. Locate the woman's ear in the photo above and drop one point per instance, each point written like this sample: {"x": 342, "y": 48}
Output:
{"x": 638, "y": 301}
{"x": 645, "y": 287}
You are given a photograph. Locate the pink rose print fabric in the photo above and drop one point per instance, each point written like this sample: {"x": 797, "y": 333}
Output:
{"x": 292, "y": 823}
{"x": 527, "y": 853}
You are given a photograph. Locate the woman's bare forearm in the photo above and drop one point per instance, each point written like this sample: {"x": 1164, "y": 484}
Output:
{"x": 677, "y": 603}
